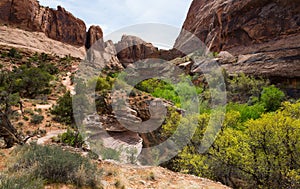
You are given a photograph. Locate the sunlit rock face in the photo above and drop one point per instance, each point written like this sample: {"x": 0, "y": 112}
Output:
{"x": 131, "y": 49}
{"x": 56, "y": 24}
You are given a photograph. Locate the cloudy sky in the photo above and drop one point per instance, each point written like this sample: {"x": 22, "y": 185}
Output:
{"x": 112, "y": 15}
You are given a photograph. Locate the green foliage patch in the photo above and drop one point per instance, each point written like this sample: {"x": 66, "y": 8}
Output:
{"x": 172, "y": 92}
{"x": 63, "y": 111}
{"x": 253, "y": 150}
{"x": 72, "y": 138}
{"x": 23, "y": 181}
{"x": 37, "y": 119}
{"x": 54, "y": 165}
{"x": 271, "y": 98}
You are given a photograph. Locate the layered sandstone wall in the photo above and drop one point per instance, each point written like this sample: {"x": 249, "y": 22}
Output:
{"x": 56, "y": 24}
{"x": 228, "y": 24}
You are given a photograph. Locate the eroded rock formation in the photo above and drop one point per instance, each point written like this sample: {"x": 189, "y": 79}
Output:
{"x": 93, "y": 35}
{"x": 56, "y": 24}
{"x": 131, "y": 49}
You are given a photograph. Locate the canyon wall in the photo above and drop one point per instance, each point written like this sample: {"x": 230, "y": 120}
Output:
{"x": 235, "y": 25}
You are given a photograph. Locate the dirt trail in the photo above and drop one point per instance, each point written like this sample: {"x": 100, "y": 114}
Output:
{"x": 68, "y": 83}
{"x": 49, "y": 135}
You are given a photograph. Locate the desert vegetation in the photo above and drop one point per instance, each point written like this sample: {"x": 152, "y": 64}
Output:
{"x": 257, "y": 146}
{"x": 34, "y": 166}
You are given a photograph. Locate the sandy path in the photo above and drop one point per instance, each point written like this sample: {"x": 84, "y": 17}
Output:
{"x": 49, "y": 135}
{"x": 68, "y": 83}
{"x": 44, "y": 106}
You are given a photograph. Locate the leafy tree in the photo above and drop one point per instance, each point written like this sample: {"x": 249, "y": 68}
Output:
{"x": 264, "y": 154}
{"x": 271, "y": 97}
{"x": 30, "y": 82}
{"x": 241, "y": 87}
{"x": 63, "y": 111}
{"x": 8, "y": 98}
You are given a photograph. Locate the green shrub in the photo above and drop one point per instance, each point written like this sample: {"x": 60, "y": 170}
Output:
{"x": 39, "y": 110}
{"x": 109, "y": 153}
{"x": 247, "y": 112}
{"x": 93, "y": 155}
{"x": 63, "y": 111}
{"x": 103, "y": 84}
{"x": 34, "y": 58}
{"x": 24, "y": 181}
{"x": 3, "y": 54}
{"x": 165, "y": 90}
{"x": 37, "y": 119}
{"x": 13, "y": 53}
{"x": 30, "y": 82}
{"x": 54, "y": 165}
{"x": 50, "y": 68}
{"x": 26, "y": 118}
{"x": 215, "y": 54}
{"x": 72, "y": 138}
{"x": 271, "y": 98}
{"x": 241, "y": 87}
{"x": 44, "y": 57}
{"x": 168, "y": 95}
{"x": 29, "y": 111}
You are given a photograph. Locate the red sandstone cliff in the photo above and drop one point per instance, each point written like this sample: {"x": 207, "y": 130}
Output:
{"x": 228, "y": 24}
{"x": 265, "y": 32}
{"x": 58, "y": 24}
